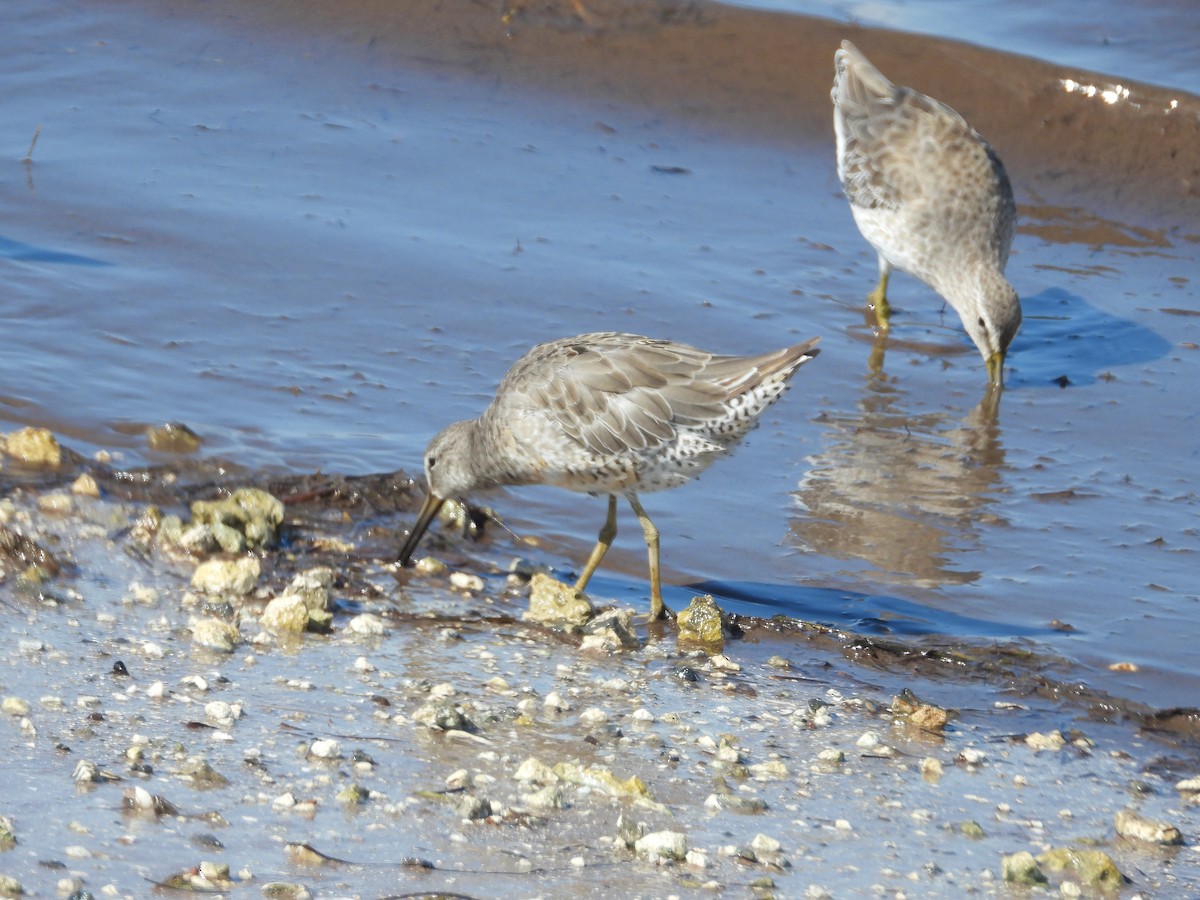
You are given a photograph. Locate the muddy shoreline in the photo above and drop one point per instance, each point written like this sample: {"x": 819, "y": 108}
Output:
{"x": 426, "y": 738}
{"x": 767, "y": 75}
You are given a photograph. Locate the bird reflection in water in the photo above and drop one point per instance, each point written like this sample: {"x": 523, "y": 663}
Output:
{"x": 904, "y": 493}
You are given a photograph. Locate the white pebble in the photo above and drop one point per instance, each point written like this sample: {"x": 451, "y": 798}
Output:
{"x": 593, "y": 716}
{"x": 366, "y": 624}
{"x": 868, "y": 740}
{"x": 465, "y": 581}
{"x": 325, "y": 748}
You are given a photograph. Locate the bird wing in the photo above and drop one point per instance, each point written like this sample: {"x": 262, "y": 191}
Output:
{"x": 886, "y": 129}
{"x": 614, "y": 393}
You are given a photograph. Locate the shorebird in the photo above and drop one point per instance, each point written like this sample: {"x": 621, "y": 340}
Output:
{"x": 932, "y": 198}
{"x": 606, "y": 413}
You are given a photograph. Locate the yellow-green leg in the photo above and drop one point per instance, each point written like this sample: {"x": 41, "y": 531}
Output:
{"x": 878, "y": 301}
{"x": 608, "y": 531}
{"x": 658, "y": 609}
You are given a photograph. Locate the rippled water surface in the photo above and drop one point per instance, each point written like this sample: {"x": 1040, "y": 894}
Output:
{"x": 315, "y": 258}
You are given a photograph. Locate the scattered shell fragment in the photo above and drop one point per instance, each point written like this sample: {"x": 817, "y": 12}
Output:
{"x": 662, "y": 845}
{"x": 285, "y": 890}
{"x": 602, "y": 779}
{"x": 702, "y": 622}
{"x": 558, "y": 605}
{"x": 172, "y": 437}
{"x": 1052, "y": 740}
{"x": 1095, "y": 869}
{"x": 285, "y": 614}
{"x": 1021, "y": 868}
{"x": 325, "y": 748}
{"x": 923, "y": 715}
{"x": 34, "y": 447}
{"x": 235, "y": 577}
{"x": 1133, "y": 825}
{"x": 215, "y": 634}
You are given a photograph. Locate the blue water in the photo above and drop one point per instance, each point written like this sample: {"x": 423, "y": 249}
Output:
{"x": 1157, "y": 42}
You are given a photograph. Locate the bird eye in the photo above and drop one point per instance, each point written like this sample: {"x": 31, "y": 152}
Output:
{"x": 430, "y": 462}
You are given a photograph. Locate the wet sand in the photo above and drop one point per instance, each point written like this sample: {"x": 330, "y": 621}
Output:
{"x": 747, "y": 72}
{"x": 315, "y": 234}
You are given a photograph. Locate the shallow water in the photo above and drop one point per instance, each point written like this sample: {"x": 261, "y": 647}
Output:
{"x": 316, "y": 257}
{"x": 1154, "y": 42}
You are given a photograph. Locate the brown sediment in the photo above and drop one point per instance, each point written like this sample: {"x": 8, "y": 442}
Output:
{"x": 767, "y": 75}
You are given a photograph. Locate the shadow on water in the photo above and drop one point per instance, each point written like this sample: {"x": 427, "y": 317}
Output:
{"x": 1066, "y": 340}
{"x": 900, "y": 491}
{"x": 10, "y": 249}
{"x": 861, "y": 613}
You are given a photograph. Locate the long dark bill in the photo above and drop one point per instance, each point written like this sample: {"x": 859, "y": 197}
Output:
{"x": 429, "y": 509}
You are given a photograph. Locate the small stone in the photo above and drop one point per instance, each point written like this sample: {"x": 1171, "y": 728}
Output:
{"x": 1134, "y": 826}
{"x": 10, "y": 887}
{"x": 779, "y": 662}
{"x": 465, "y": 581}
{"x": 325, "y": 748}
{"x": 1188, "y": 785}
{"x": 768, "y": 771}
{"x": 172, "y": 437}
{"x": 1050, "y": 741}
{"x": 1021, "y": 868}
{"x": 601, "y": 779}
{"x": 56, "y": 504}
{"x": 14, "y": 706}
{"x": 971, "y": 756}
{"x": 931, "y": 768}
{"x": 702, "y": 622}
{"x": 285, "y": 890}
{"x": 554, "y": 701}
{"x": 549, "y": 797}
{"x": 85, "y": 486}
{"x": 765, "y": 848}
{"x": 662, "y": 845}
{"x": 970, "y": 829}
{"x": 34, "y": 447}
{"x": 443, "y": 717}
{"x": 353, "y": 795}
{"x": 593, "y": 716}
{"x": 429, "y": 565}
{"x": 285, "y": 614}
{"x": 473, "y": 808}
{"x": 611, "y": 630}
{"x": 367, "y": 624}
{"x": 252, "y": 512}
{"x": 1095, "y": 869}
{"x": 215, "y": 634}
{"x": 831, "y": 756}
{"x": 235, "y": 577}
{"x": 201, "y": 775}
{"x": 536, "y": 771}
{"x": 558, "y": 605}
{"x": 869, "y": 740}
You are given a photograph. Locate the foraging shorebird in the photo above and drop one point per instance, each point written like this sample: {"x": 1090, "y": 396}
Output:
{"x": 931, "y": 197}
{"x": 607, "y": 413}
